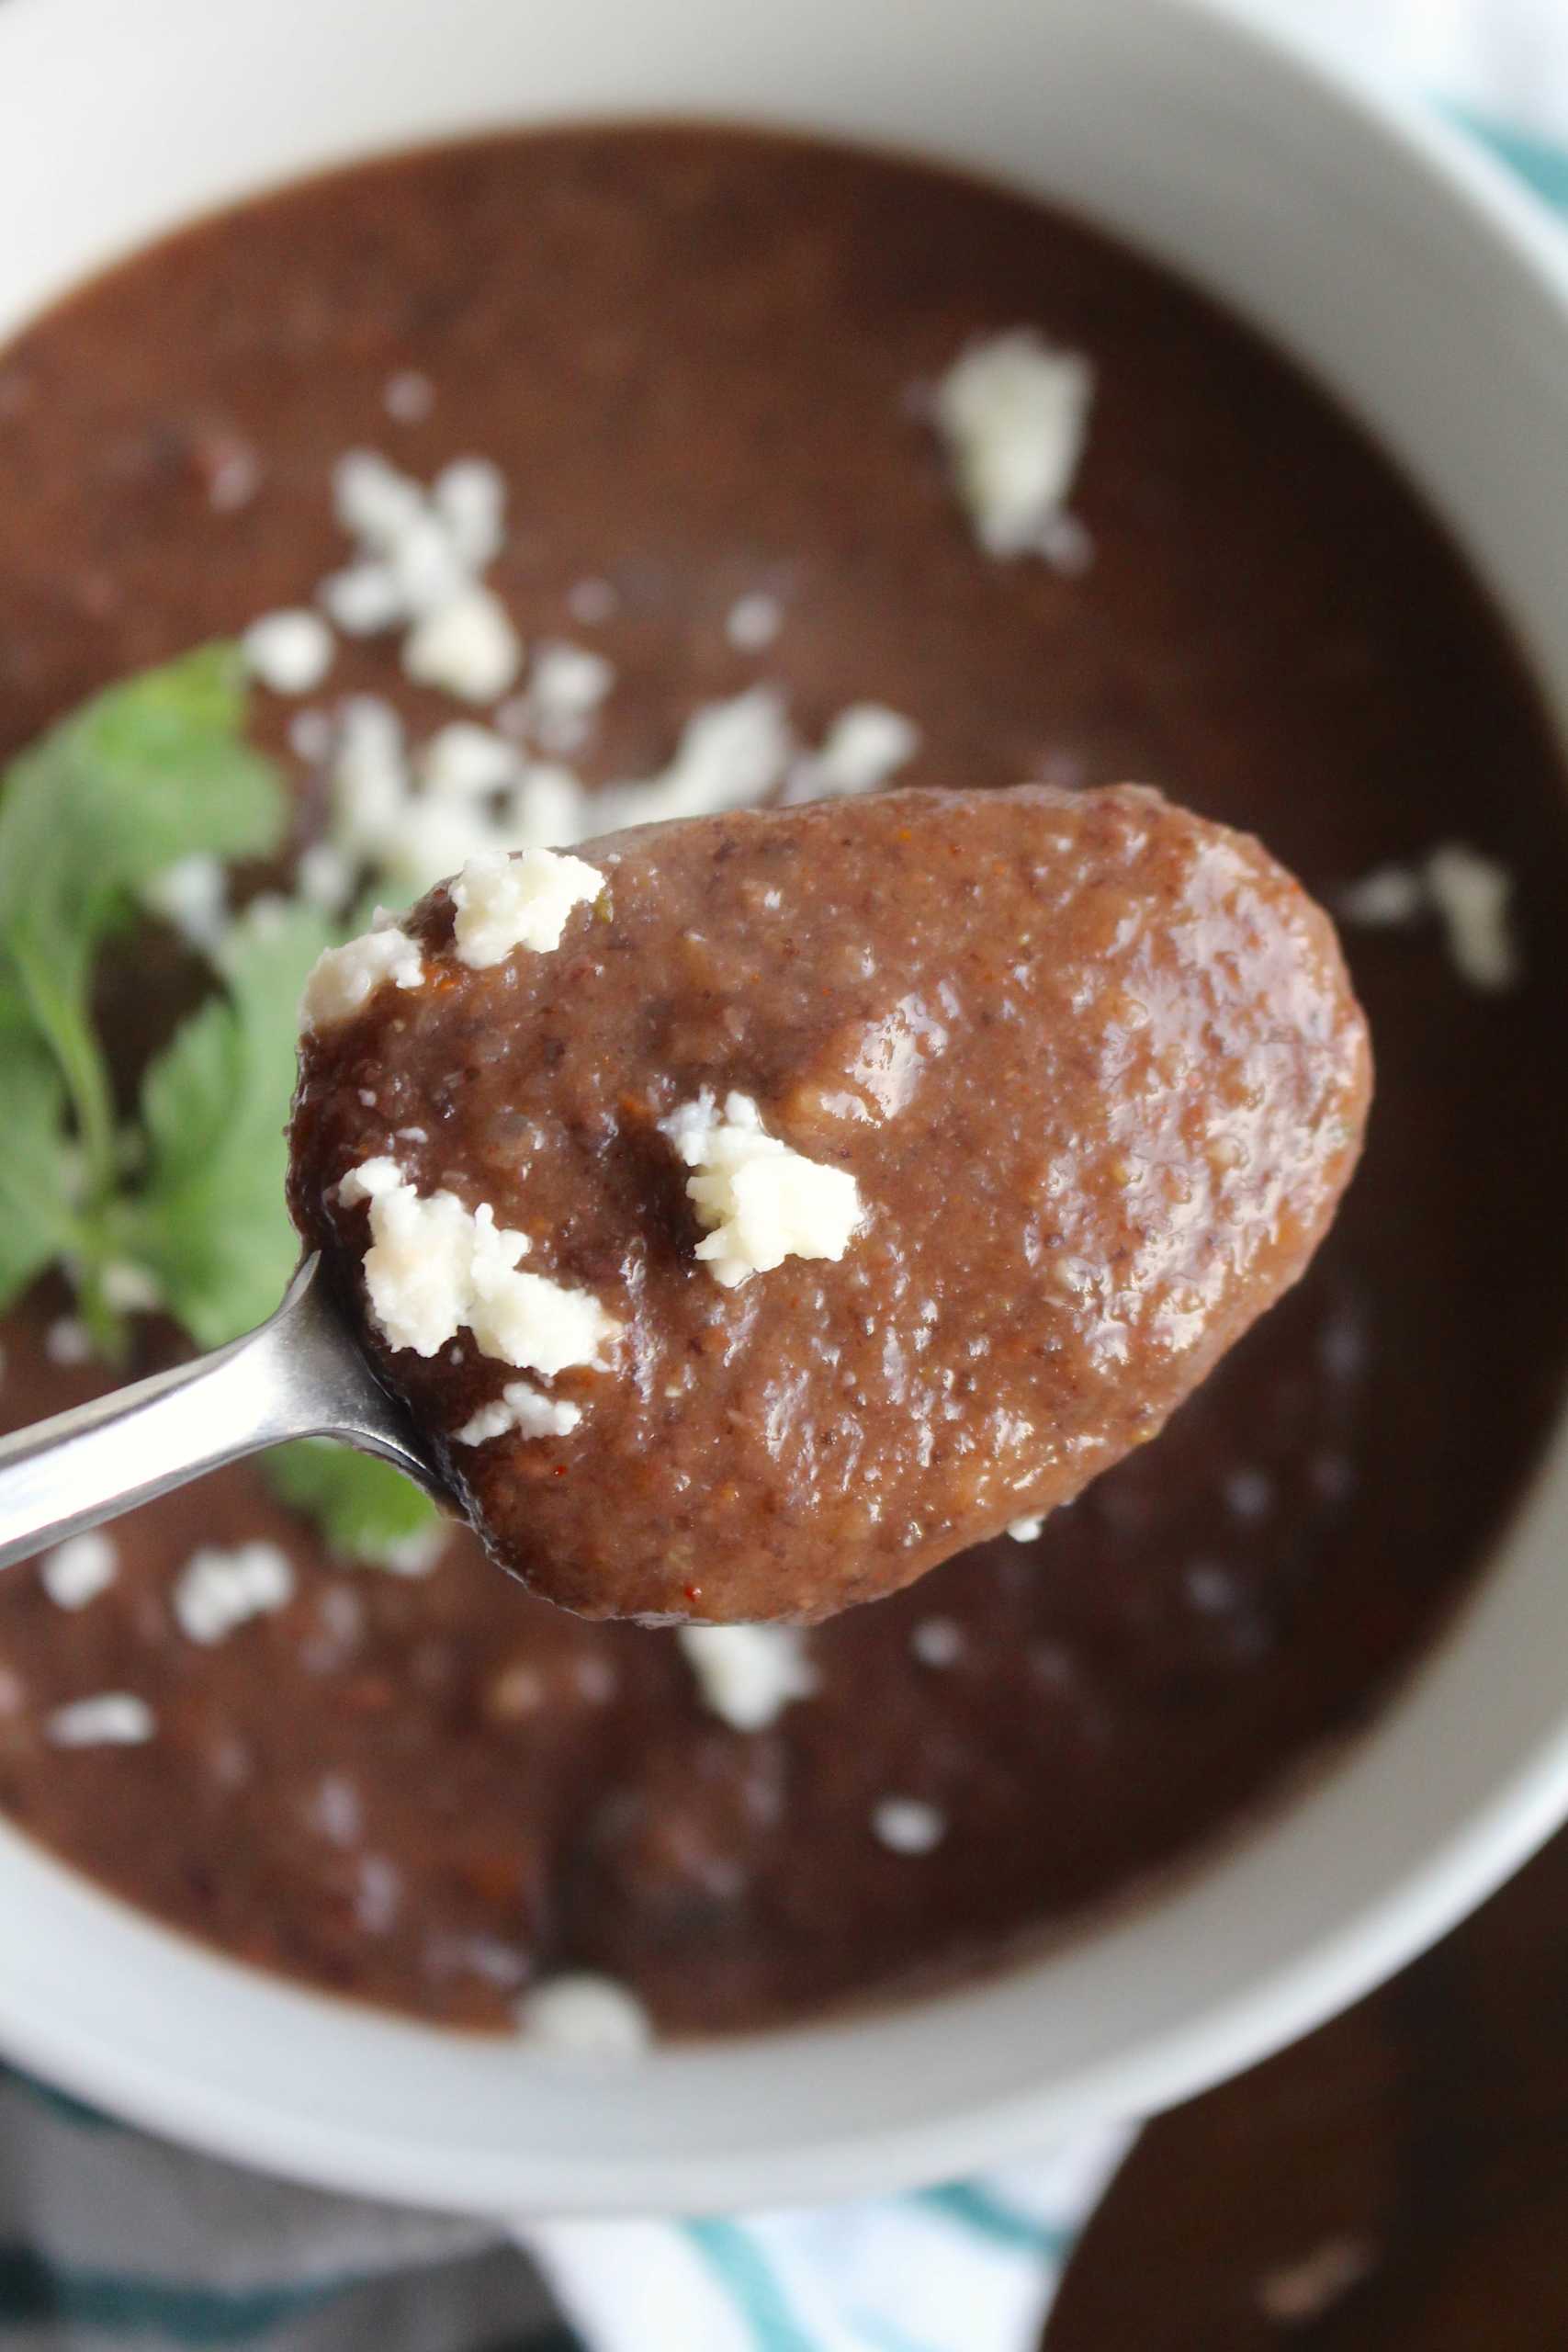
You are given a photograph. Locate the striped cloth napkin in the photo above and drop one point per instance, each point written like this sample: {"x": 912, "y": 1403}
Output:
{"x": 110, "y": 2239}
{"x": 114, "y": 2242}
{"x": 971, "y": 2267}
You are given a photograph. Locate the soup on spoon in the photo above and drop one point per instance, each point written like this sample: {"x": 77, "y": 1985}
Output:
{"x": 760, "y": 1209}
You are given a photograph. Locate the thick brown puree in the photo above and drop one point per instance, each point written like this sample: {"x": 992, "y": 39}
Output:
{"x": 688, "y": 351}
{"x": 1090, "y": 1061}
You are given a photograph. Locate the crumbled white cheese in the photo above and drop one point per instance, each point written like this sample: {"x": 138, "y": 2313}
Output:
{"x": 130, "y": 1289}
{"x": 428, "y": 572}
{"x": 908, "y": 1826}
{"x": 865, "y": 745}
{"x": 420, "y": 554}
{"x": 233, "y": 479}
{"x": 408, "y": 396}
{"x": 468, "y": 647}
{"x": 402, "y": 536}
{"x": 585, "y": 2017}
{"x": 379, "y": 1895}
{"x": 112, "y": 1719}
{"x": 758, "y": 1201}
{"x": 434, "y": 838}
{"x": 591, "y": 601}
{"x": 506, "y": 903}
{"x": 730, "y": 753}
{"x": 548, "y": 809}
{"x": 265, "y": 917}
{"x": 1024, "y": 1530}
{"x": 535, "y": 1323}
{"x": 937, "y": 1642}
{"x": 310, "y": 735}
{"x": 370, "y": 778}
{"x": 469, "y": 790}
{"x": 470, "y": 497}
{"x": 1249, "y": 1493}
{"x": 753, "y": 622}
{"x": 730, "y": 756}
{"x": 343, "y": 979}
{"x": 434, "y": 1266}
{"x": 375, "y": 503}
{"x": 416, "y": 1554}
{"x": 1065, "y": 544}
{"x": 419, "y": 1267}
{"x": 748, "y": 1674}
{"x": 465, "y": 762}
{"x": 192, "y": 897}
{"x": 324, "y": 876}
{"x": 1470, "y": 894}
{"x": 79, "y": 1569}
{"x": 68, "y": 1341}
{"x": 1388, "y": 897}
{"x": 335, "y": 1812}
{"x": 415, "y": 822}
{"x": 362, "y": 600}
{"x": 1298, "y": 2293}
{"x": 1013, "y": 415}
{"x": 566, "y": 686}
{"x": 289, "y": 651}
{"x": 340, "y": 1616}
{"x": 218, "y": 1592}
{"x": 523, "y": 1408}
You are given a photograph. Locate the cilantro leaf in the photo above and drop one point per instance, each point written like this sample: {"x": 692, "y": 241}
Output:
{"x": 36, "y": 1166}
{"x": 209, "y": 1219}
{"x": 365, "y": 1510}
{"x": 155, "y": 769}
{"x": 151, "y": 770}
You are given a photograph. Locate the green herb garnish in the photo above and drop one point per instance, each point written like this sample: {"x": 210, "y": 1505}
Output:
{"x": 37, "y": 1163}
{"x": 365, "y": 1510}
{"x": 207, "y": 1218}
{"x": 147, "y": 772}
{"x": 191, "y": 1195}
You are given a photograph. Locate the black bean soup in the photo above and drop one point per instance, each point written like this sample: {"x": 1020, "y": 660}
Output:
{"x": 695, "y": 356}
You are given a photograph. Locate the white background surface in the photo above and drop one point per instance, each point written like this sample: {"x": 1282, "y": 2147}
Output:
{"x": 1507, "y": 57}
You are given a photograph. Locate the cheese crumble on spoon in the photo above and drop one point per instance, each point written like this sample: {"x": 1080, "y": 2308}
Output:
{"x": 758, "y": 1201}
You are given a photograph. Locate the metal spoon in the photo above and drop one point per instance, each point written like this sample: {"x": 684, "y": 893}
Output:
{"x": 300, "y": 1374}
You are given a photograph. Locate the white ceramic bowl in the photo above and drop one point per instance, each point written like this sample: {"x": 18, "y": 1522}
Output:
{"x": 1414, "y": 281}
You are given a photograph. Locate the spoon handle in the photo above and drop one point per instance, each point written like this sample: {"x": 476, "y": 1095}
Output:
{"x": 300, "y": 1374}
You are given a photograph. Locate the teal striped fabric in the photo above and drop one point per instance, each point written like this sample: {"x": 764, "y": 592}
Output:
{"x": 1540, "y": 163}
{"x": 111, "y": 2241}
{"x": 748, "y": 2278}
{"x": 34, "y": 2289}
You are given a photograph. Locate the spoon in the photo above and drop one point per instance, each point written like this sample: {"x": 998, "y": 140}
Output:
{"x": 300, "y": 1374}
{"x": 1055, "y": 1093}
